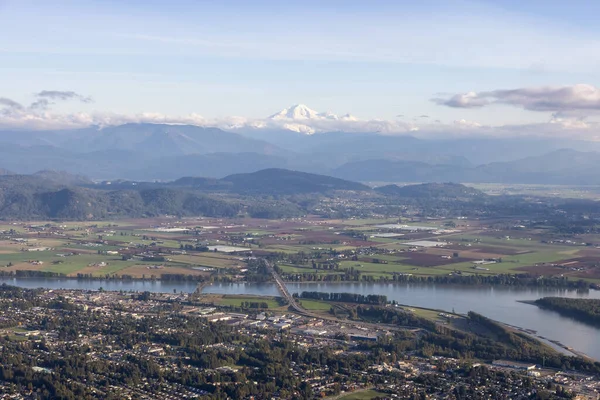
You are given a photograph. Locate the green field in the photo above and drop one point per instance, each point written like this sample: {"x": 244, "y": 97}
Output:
{"x": 236, "y": 301}
{"x": 208, "y": 259}
{"x": 315, "y": 305}
{"x": 476, "y": 241}
{"x": 363, "y": 395}
{"x": 291, "y": 269}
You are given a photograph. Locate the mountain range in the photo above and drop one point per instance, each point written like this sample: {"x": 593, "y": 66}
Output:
{"x": 166, "y": 152}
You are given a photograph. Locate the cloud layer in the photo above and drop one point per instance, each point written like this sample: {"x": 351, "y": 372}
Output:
{"x": 563, "y": 102}
{"x": 561, "y": 99}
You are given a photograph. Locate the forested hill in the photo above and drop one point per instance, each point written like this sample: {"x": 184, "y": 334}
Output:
{"x": 272, "y": 181}
{"x": 283, "y": 181}
{"x": 30, "y": 197}
{"x": 585, "y": 310}
{"x": 270, "y": 193}
{"x": 57, "y": 195}
{"x": 432, "y": 190}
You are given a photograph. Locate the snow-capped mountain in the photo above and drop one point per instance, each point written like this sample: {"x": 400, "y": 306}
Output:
{"x": 299, "y": 111}
{"x": 300, "y": 118}
{"x": 302, "y": 112}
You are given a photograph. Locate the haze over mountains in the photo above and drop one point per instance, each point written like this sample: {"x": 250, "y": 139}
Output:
{"x": 166, "y": 152}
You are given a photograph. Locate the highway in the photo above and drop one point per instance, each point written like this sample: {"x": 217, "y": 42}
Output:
{"x": 302, "y": 311}
{"x": 286, "y": 293}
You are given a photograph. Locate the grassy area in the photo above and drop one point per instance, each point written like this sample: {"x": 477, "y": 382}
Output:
{"x": 368, "y": 221}
{"x": 315, "y": 305}
{"x": 236, "y": 301}
{"x": 388, "y": 269}
{"x": 296, "y": 269}
{"x": 364, "y": 395}
{"x": 209, "y": 259}
{"x": 426, "y": 313}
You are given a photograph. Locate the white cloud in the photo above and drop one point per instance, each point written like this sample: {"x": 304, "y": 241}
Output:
{"x": 571, "y": 123}
{"x": 464, "y": 100}
{"x": 463, "y": 123}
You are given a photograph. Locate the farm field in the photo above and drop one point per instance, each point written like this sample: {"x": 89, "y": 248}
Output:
{"x": 151, "y": 248}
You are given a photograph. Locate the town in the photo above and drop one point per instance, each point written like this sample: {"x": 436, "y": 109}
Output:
{"x": 163, "y": 346}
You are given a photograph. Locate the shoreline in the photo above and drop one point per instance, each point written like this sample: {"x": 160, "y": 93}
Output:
{"x": 555, "y": 344}
{"x": 437, "y": 284}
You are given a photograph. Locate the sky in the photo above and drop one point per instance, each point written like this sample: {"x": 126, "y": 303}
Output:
{"x": 477, "y": 66}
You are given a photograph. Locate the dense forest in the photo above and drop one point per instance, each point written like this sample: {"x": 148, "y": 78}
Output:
{"x": 585, "y": 310}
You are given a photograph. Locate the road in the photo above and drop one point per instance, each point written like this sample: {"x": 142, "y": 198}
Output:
{"x": 302, "y": 311}
{"x": 286, "y": 293}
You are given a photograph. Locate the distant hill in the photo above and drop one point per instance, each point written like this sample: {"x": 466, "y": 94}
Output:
{"x": 63, "y": 177}
{"x": 214, "y": 165}
{"x": 432, "y": 190}
{"x": 6, "y": 172}
{"x": 404, "y": 171}
{"x": 30, "y": 197}
{"x": 283, "y": 181}
{"x": 201, "y": 183}
{"x": 565, "y": 166}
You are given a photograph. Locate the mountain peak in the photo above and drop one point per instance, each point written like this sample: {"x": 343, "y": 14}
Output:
{"x": 296, "y": 112}
{"x": 298, "y": 118}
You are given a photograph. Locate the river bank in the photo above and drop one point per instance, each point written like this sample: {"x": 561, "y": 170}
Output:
{"x": 501, "y": 304}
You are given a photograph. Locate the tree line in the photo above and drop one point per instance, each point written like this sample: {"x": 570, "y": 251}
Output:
{"x": 344, "y": 297}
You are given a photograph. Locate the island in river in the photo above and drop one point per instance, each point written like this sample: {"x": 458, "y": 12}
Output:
{"x": 583, "y": 310}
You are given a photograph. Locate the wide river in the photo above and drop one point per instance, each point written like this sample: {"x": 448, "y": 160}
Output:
{"x": 498, "y": 303}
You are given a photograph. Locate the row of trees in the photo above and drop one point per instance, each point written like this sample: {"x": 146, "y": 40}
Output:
{"x": 515, "y": 280}
{"x": 344, "y": 297}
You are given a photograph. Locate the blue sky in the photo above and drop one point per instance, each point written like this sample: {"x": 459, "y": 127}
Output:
{"x": 373, "y": 59}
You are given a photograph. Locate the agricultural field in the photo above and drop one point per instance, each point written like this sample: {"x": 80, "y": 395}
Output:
{"x": 467, "y": 248}
{"x": 130, "y": 248}
{"x": 373, "y": 248}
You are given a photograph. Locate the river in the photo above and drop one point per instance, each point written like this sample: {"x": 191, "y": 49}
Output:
{"x": 498, "y": 303}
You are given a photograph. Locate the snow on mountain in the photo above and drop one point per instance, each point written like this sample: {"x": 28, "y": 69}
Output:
{"x": 299, "y": 111}
{"x": 302, "y": 119}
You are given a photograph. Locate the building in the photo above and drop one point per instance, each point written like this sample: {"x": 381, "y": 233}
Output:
{"x": 514, "y": 365}
{"x": 366, "y": 336}
{"x": 282, "y": 325}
